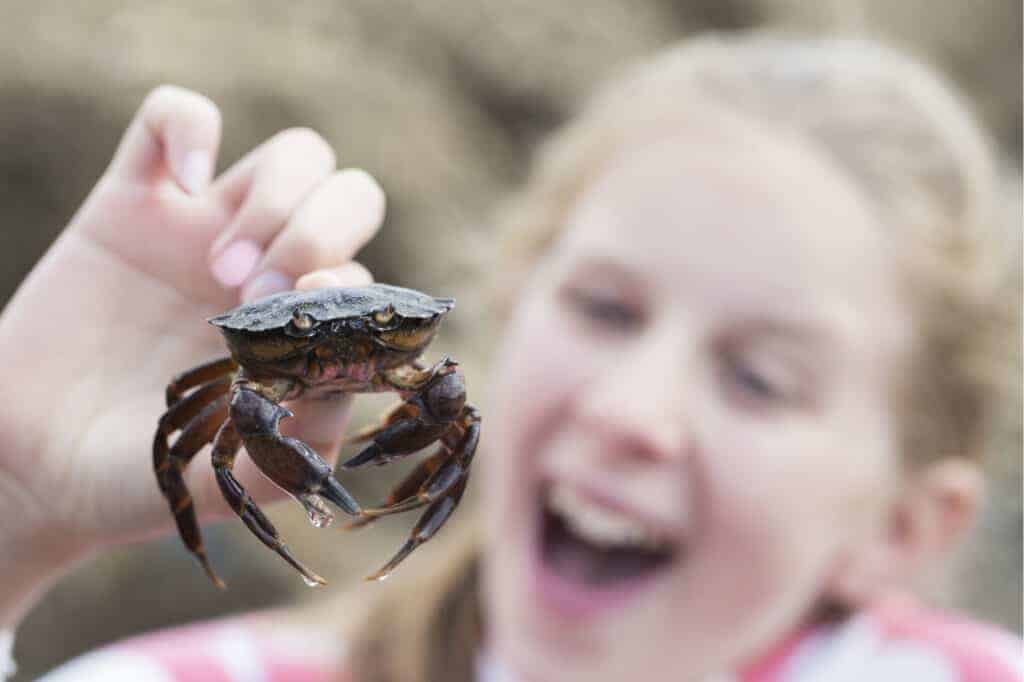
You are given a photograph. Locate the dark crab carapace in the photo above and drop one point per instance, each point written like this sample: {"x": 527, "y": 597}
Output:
{"x": 324, "y": 343}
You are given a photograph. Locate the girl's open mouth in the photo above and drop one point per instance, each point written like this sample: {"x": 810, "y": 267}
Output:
{"x": 593, "y": 557}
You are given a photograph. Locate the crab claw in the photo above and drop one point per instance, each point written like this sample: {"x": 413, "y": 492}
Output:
{"x": 333, "y": 491}
{"x": 398, "y": 440}
{"x": 254, "y": 414}
{"x": 365, "y": 456}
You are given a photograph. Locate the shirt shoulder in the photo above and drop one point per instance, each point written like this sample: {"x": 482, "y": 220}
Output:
{"x": 251, "y": 647}
{"x": 895, "y": 642}
{"x": 971, "y": 650}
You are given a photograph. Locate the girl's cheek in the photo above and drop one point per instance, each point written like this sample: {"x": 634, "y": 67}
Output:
{"x": 778, "y": 492}
{"x": 543, "y": 364}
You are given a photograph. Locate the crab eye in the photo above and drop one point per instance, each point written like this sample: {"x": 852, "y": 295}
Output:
{"x": 384, "y": 316}
{"x": 302, "y": 321}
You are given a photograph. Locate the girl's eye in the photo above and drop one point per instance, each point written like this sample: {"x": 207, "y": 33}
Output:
{"x": 604, "y": 310}
{"x": 752, "y": 386}
{"x": 753, "y": 383}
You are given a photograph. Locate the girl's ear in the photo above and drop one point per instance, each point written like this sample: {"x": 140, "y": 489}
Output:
{"x": 925, "y": 522}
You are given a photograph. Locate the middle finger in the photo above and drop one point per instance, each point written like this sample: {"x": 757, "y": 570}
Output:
{"x": 267, "y": 186}
{"x": 336, "y": 220}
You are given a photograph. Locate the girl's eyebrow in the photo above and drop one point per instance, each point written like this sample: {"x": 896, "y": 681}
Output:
{"x": 600, "y": 262}
{"x": 790, "y": 326}
{"x": 604, "y": 266}
{"x": 804, "y": 331}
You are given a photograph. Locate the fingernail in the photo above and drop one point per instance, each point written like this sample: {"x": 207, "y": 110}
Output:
{"x": 236, "y": 262}
{"x": 267, "y": 283}
{"x": 196, "y": 171}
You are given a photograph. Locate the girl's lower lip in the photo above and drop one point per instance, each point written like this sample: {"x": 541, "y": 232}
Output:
{"x": 573, "y": 600}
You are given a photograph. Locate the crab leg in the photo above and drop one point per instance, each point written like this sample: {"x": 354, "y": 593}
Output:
{"x": 183, "y": 411}
{"x": 426, "y": 417}
{"x": 442, "y": 491}
{"x": 406, "y": 489}
{"x": 198, "y": 375}
{"x": 399, "y": 411}
{"x": 438, "y": 474}
{"x": 426, "y": 528}
{"x": 199, "y": 415}
{"x": 402, "y": 438}
{"x": 225, "y": 448}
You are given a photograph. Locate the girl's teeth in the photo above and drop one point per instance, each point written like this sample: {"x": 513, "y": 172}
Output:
{"x": 600, "y": 525}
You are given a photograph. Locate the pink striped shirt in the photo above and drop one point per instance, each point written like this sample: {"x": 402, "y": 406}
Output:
{"x": 896, "y": 642}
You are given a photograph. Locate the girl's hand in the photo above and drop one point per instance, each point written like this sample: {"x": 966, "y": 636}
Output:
{"x": 118, "y": 304}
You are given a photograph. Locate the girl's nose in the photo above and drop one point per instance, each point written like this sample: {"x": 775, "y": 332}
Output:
{"x": 639, "y": 402}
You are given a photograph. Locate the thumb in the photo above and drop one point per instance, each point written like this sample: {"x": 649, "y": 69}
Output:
{"x": 175, "y": 133}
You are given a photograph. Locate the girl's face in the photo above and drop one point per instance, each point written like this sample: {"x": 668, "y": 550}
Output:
{"x": 691, "y": 436}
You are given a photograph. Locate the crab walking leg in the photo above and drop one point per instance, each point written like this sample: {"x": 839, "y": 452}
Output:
{"x": 225, "y": 448}
{"x": 406, "y": 489}
{"x": 198, "y": 375}
{"x": 441, "y": 471}
{"x": 169, "y": 464}
{"x": 183, "y": 411}
{"x": 442, "y": 492}
{"x": 435, "y": 517}
{"x": 454, "y": 467}
{"x": 179, "y": 416}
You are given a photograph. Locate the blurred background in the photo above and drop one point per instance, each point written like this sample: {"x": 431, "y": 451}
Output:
{"x": 443, "y": 102}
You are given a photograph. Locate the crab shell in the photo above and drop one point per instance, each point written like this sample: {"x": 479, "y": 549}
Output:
{"x": 326, "y": 305}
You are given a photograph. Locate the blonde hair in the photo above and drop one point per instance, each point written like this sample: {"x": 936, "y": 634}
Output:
{"x": 897, "y": 130}
{"x": 888, "y": 122}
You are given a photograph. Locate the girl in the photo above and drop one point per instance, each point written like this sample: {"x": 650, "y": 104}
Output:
{"x": 743, "y": 391}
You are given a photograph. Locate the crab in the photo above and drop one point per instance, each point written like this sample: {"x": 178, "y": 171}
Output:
{"x": 323, "y": 343}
